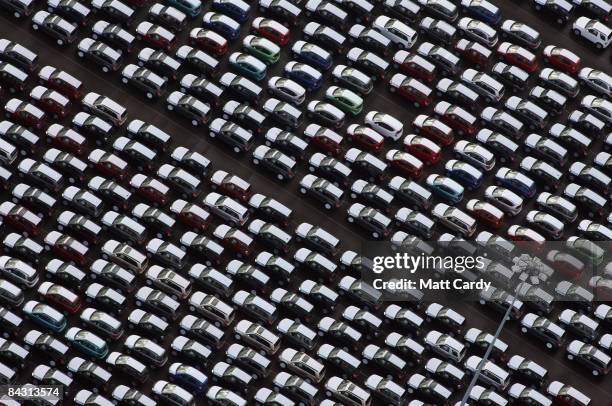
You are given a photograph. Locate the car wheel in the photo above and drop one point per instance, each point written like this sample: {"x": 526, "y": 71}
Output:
{"x": 595, "y": 372}
{"x": 255, "y": 161}
{"x": 327, "y": 206}
{"x": 80, "y": 54}
{"x": 410, "y": 390}
{"x": 417, "y": 105}
{"x": 149, "y": 95}
{"x": 105, "y": 69}
{"x": 52, "y": 363}
{"x": 311, "y": 169}
{"x": 576, "y": 32}
{"x": 237, "y": 150}
{"x": 212, "y": 134}
{"x": 195, "y": 123}
{"x": 138, "y": 303}
{"x": 350, "y": 219}
{"x": 280, "y": 177}
{"x": 375, "y": 235}
{"x": 570, "y": 357}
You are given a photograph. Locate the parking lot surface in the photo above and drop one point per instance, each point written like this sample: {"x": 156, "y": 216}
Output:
{"x": 599, "y": 389}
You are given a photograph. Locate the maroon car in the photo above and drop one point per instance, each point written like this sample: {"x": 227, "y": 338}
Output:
{"x": 208, "y": 40}
{"x": 231, "y": 185}
{"x": 61, "y": 81}
{"x": 54, "y": 103}
{"x": 66, "y": 139}
{"x": 234, "y": 240}
{"x": 25, "y": 114}
{"x": 191, "y": 214}
{"x": 20, "y": 218}
{"x": 66, "y": 247}
{"x": 434, "y": 129}
{"x": 156, "y": 36}
{"x": 108, "y": 163}
{"x": 150, "y": 188}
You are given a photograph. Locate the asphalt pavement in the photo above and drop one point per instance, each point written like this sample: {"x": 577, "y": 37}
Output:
{"x": 600, "y": 390}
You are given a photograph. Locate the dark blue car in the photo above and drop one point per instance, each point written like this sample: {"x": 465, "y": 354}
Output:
{"x": 482, "y": 10}
{"x": 188, "y": 377}
{"x": 224, "y": 25}
{"x": 237, "y": 9}
{"x": 304, "y": 74}
{"x": 464, "y": 173}
{"x": 515, "y": 181}
{"x": 312, "y": 54}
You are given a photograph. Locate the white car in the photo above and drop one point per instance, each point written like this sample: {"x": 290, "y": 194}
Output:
{"x": 593, "y": 31}
{"x": 478, "y": 31}
{"x": 385, "y": 124}
{"x": 399, "y": 33}
{"x": 597, "y": 80}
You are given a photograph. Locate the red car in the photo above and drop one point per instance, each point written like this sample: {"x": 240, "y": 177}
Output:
{"x": 602, "y": 287}
{"x": 411, "y": 89}
{"x": 20, "y": 218}
{"x": 485, "y": 212}
{"x": 66, "y": 247}
{"x": 208, "y": 40}
{"x": 526, "y": 238}
{"x": 562, "y": 58}
{"x": 414, "y": 65}
{"x": 108, "y": 164}
{"x": 61, "y": 296}
{"x": 474, "y": 52}
{"x": 433, "y": 128}
{"x": 324, "y": 138}
{"x": 61, "y": 81}
{"x": 231, "y": 185}
{"x": 51, "y": 101}
{"x": 519, "y": 56}
{"x": 405, "y": 163}
{"x": 191, "y": 214}
{"x": 423, "y": 148}
{"x": 571, "y": 267}
{"x": 365, "y": 137}
{"x": 25, "y": 114}
{"x": 137, "y": 3}
{"x": 156, "y": 35}
{"x": 234, "y": 240}
{"x": 456, "y": 117}
{"x": 271, "y": 29}
{"x": 66, "y": 138}
{"x": 150, "y": 188}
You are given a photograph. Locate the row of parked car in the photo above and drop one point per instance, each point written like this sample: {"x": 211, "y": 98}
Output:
{"x": 145, "y": 211}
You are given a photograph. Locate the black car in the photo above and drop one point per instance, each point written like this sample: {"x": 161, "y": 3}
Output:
{"x": 144, "y": 80}
{"x": 12, "y": 78}
{"x": 18, "y": 55}
{"x": 551, "y": 100}
{"x": 108, "y": 58}
{"x": 244, "y": 115}
{"x": 198, "y": 60}
{"x": 202, "y": 88}
{"x": 61, "y": 30}
{"x": 368, "y": 62}
{"x": 159, "y": 61}
{"x": 241, "y": 86}
{"x": 19, "y": 8}
{"x": 275, "y": 161}
{"x": 167, "y": 16}
{"x": 73, "y": 10}
{"x": 560, "y": 10}
{"x": 325, "y": 36}
{"x": 115, "y": 10}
